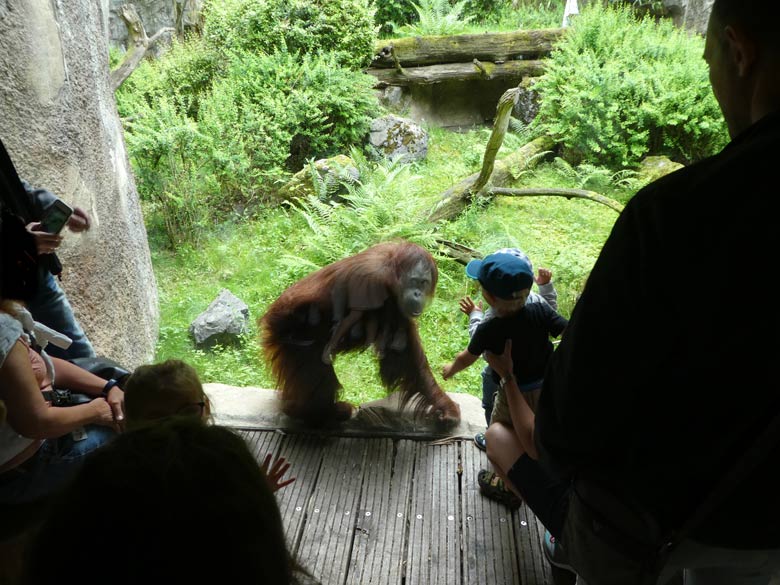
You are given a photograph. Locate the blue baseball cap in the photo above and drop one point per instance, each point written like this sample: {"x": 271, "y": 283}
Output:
{"x": 502, "y": 275}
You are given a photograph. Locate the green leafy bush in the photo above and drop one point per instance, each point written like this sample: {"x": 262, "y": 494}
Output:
{"x": 162, "y": 142}
{"x": 265, "y": 116}
{"x": 285, "y": 109}
{"x": 342, "y": 27}
{"x": 183, "y": 74}
{"x": 617, "y": 88}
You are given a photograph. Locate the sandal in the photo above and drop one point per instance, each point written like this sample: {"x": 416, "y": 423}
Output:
{"x": 492, "y": 486}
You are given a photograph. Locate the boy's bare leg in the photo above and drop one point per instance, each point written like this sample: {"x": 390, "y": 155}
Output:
{"x": 503, "y": 450}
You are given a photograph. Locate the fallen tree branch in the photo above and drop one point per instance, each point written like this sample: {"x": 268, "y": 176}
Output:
{"x": 458, "y": 252}
{"x": 568, "y": 193}
{"x": 138, "y": 43}
{"x": 459, "y": 196}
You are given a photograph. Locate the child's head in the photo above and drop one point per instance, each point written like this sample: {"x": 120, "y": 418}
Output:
{"x": 506, "y": 281}
{"x": 160, "y": 390}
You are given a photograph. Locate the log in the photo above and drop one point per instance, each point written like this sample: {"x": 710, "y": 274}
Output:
{"x": 495, "y": 47}
{"x": 429, "y": 74}
{"x": 138, "y": 43}
{"x": 459, "y": 196}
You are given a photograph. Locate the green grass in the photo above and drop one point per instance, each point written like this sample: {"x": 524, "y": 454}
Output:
{"x": 256, "y": 259}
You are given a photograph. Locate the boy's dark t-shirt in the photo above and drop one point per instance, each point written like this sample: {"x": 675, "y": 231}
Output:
{"x": 530, "y": 330}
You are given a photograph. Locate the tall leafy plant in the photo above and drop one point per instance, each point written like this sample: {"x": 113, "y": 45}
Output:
{"x": 618, "y": 87}
{"x": 438, "y": 17}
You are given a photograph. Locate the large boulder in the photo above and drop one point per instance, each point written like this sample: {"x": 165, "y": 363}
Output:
{"x": 62, "y": 130}
{"x": 398, "y": 138}
{"x": 654, "y": 167}
{"x": 224, "y": 322}
{"x": 692, "y": 14}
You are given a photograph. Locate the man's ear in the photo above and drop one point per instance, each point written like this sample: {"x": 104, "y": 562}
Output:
{"x": 743, "y": 50}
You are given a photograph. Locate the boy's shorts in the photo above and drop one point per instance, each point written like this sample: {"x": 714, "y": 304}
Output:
{"x": 501, "y": 405}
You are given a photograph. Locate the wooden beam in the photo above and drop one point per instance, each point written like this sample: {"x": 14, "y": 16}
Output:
{"x": 430, "y": 74}
{"x": 509, "y": 46}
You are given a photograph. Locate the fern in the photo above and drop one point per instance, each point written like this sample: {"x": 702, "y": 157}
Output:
{"x": 438, "y": 17}
{"x": 384, "y": 208}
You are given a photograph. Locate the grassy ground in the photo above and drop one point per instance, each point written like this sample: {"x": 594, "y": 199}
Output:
{"x": 256, "y": 259}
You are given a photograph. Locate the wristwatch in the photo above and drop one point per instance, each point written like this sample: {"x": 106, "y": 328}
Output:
{"x": 107, "y": 388}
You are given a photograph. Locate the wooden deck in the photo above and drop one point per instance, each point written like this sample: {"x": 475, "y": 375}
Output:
{"x": 390, "y": 511}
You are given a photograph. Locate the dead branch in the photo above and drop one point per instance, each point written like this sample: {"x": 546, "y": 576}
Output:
{"x": 568, "y": 193}
{"x": 138, "y": 43}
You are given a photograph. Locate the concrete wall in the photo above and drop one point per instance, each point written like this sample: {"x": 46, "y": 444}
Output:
{"x": 60, "y": 124}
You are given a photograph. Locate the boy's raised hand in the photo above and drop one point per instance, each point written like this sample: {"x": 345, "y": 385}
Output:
{"x": 544, "y": 276}
{"x": 467, "y": 305}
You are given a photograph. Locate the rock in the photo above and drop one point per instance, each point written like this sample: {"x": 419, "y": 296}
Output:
{"x": 62, "y": 130}
{"x": 394, "y": 98}
{"x": 338, "y": 171}
{"x": 399, "y": 138}
{"x": 692, "y": 14}
{"x": 224, "y": 322}
{"x": 654, "y": 167}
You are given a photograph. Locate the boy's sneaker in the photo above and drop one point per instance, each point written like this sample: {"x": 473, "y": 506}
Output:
{"x": 492, "y": 486}
{"x": 479, "y": 441}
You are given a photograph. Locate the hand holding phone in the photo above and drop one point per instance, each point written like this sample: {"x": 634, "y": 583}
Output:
{"x": 55, "y": 218}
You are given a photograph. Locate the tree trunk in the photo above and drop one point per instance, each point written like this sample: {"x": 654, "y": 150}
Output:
{"x": 459, "y": 196}
{"x": 416, "y": 51}
{"x": 137, "y": 45}
{"x": 459, "y": 71}
{"x": 61, "y": 127}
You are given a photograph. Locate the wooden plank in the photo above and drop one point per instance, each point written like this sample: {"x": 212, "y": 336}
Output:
{"x": 430, "y": 74}
{"x": 326, "y": 543}
{"x": 381, "y": 525}
{"x": 304, "y": 452}
{"x": 262, "y": 442}
{"x": 529, "y": 535}
{"x": 434, "y": 533}
{"x": 489, "y": 554}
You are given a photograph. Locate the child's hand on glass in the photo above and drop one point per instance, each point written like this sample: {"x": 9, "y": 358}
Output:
{"x": 467, "y": 305}
{"x": 276, "y": 472}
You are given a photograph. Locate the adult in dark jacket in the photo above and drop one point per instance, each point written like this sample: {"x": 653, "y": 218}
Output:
{"x": 652, "y": 396}
{"x": 49, "y": 306}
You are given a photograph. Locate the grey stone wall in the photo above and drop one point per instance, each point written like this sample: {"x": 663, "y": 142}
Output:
{"x": 155, "y": 14}
{"x": 692, "y": 14}
{"x": 61, "y": 127}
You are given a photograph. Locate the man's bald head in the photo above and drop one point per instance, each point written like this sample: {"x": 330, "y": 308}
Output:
{"x": 744, "y": 60}
{"x": 755, "y": 17}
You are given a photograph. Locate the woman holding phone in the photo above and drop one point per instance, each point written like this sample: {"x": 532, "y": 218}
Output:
{"x": 36, "y": 207}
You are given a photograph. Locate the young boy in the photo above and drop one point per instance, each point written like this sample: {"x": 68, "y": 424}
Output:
{"x": 547, "y": 294}
{"x": 506, "y": 283}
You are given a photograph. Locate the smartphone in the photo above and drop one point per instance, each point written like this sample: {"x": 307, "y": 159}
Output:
{"x": 56, "y": 217}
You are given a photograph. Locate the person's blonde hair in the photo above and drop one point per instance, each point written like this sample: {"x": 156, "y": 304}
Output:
{"x": 157, "y": 391}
